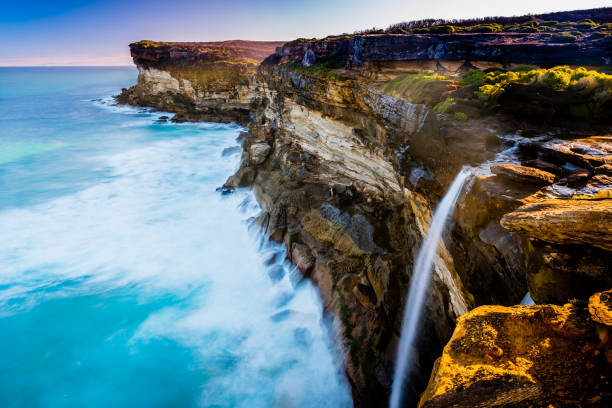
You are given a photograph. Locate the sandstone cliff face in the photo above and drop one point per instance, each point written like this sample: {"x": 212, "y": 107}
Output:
{"x": 521, "y": 48}
{"x": 349, "y": 183}
{"x": 199, "y": 81}
{"x": 349, "y": 176}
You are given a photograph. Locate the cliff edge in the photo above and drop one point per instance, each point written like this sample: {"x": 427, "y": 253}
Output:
{"x": 352, "y": 141}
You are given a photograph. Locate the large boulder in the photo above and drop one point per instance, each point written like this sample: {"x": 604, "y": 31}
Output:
{"x": 527, "y": 356}
{"x": 564, "y": 222}
{"x": 523, "y": 174}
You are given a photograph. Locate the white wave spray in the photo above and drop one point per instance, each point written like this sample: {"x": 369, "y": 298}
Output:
{"x": 419, "y": 284}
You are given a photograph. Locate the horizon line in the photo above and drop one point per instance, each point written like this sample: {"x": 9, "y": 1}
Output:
{"x": 69, "y": 66}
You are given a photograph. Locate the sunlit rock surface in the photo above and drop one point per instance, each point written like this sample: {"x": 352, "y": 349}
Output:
{"x": 527, "y": 356}
{"x": 564, "y": 221}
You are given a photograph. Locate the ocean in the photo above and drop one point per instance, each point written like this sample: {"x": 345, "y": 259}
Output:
{"x": 126, "y": 279}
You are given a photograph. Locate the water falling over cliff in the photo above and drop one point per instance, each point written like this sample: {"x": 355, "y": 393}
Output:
{"x": 419, "y": 284}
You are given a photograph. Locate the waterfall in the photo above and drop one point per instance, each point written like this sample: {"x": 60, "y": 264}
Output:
{"x": 419, "y": 284}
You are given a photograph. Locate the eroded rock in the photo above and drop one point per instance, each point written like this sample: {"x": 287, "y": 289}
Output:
{"x": 564, "y": 222}
{"x": 523, "y": 174}
{"x": 558, "y": 273}
{"x": 526, "y": 356}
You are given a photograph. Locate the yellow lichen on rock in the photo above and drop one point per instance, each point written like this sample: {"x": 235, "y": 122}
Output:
{"x": 600, "y": 307}
{"x": 526, "y": 356}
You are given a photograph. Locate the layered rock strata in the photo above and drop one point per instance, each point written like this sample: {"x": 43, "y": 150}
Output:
{"x": 522, "y": 48}
{"x": 200, "y": 81}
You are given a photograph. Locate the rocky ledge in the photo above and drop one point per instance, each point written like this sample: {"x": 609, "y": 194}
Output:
{"x": 534, "y": 356}
{"x": 523, "y": 48}
{"x": 349, "y": 160}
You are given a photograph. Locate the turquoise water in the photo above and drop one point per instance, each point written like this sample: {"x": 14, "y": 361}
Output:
{"x": 126, "y": 280}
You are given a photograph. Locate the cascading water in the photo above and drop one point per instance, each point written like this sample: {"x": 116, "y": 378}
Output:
{"x": 419, "y": 284}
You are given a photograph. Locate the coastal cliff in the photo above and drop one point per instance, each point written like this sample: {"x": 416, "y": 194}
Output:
{"x": 200, "y": 81}
{"x": 351, "y": 143}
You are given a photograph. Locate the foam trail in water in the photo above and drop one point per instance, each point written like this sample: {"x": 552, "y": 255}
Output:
{"x": 419, "y": 284}
{"x": 145, "y": 275}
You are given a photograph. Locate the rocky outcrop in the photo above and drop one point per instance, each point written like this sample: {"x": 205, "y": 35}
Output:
{"x": 199, "y": 81}
{"x": 564, "y": 222}
{"x": 527, "y": 356}
{"x": 524, "y": 174}
{"x": 519, "y": 48}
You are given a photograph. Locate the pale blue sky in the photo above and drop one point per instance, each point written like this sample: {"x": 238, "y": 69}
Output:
{"x": 97, "y": 32}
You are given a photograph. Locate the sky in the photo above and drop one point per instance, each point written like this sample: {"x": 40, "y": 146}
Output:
{"x": 97, "y": 32}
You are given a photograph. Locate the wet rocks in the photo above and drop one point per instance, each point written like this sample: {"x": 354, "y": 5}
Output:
{"x": 598, "y": 187}
{"x": 259, "y": 152}
{"x": 587, "y": 153}
{"x": 543, "y": 165}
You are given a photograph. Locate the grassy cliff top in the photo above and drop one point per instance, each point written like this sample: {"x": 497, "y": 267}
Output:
{"x": 555, "y": 93}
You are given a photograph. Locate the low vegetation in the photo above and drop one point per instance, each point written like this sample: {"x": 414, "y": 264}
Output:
{"x": 149, "y": 44}
{"x": 592, "y": 88}
{"x": 460, "y": 116}
{"x": 577, "y": 24}
{"x": 492, "y": 84}
{"x": 412, "y": 86}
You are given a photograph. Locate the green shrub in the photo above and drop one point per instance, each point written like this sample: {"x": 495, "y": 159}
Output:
{"x": 421, "y": 30}
{"x": 442, "y": 29}
{"x": 489, "y": 93}
{"x": 512, "y": 28}
{"x": 557, "y": 78}
{"x": 563, "y": 38}
{"x": 460, "y": 116}
{"x": 444, "y": 106}
{"x": 486, "y": 28}
{"x": 584, "y": 110}
{"x": 585, "y": 25}
{"x": 473, "y": 77}
{"x": 548, "y": 29}
{"x": 596, "y": 86}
